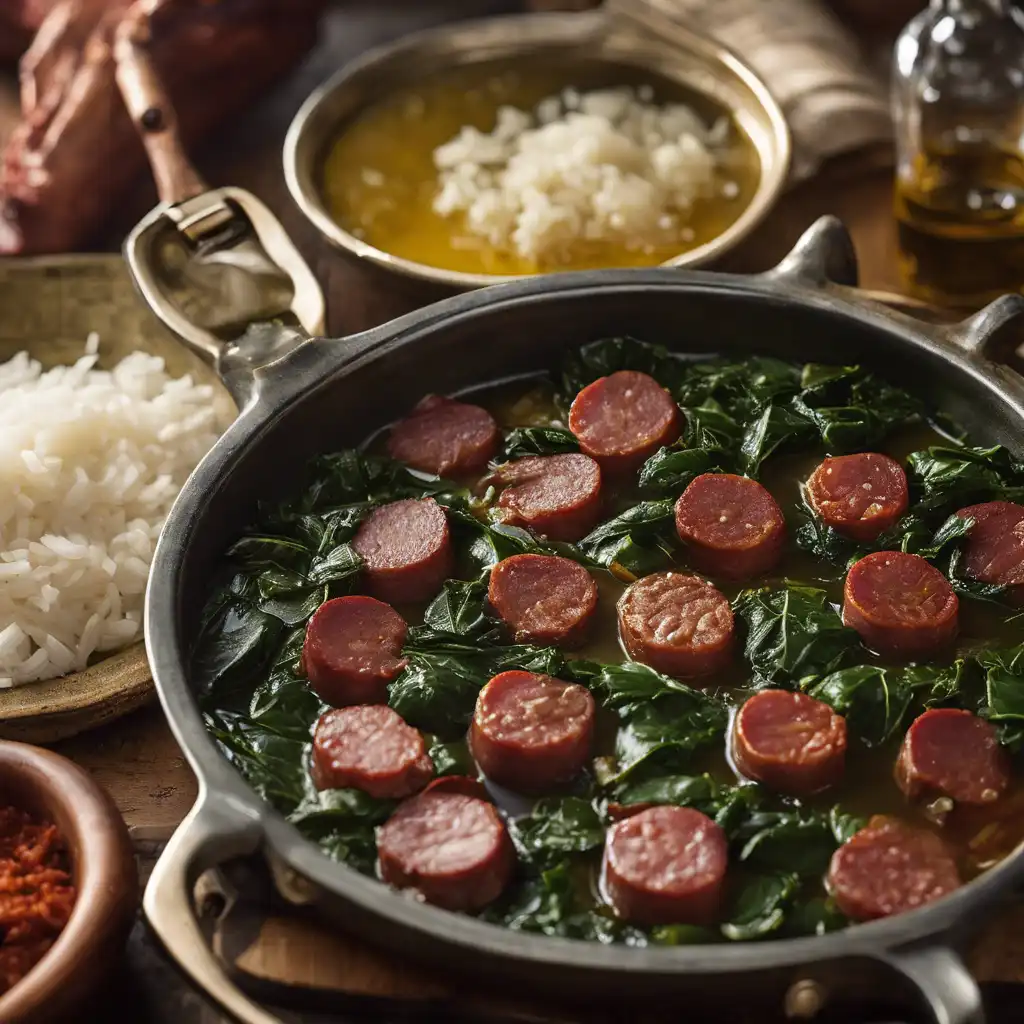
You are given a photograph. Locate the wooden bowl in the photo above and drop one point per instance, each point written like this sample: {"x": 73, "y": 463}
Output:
{"x": 49, "y": 305}
{"x": 103, "y": 867}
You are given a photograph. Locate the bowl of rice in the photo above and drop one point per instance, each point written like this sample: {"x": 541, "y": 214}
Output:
{"x": 490, "y": 150}
{"x": 103, "y": 416}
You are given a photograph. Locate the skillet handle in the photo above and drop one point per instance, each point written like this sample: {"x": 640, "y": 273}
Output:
{"x": 947, "y": 988}
{"x": 210, "y": 834}
{"x": 824, "y": 260}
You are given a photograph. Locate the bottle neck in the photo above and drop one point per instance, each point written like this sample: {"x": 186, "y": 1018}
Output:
{"x": 976, "y": 8}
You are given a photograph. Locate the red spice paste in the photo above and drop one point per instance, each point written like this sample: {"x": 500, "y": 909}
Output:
{"x": 36, "y": 892}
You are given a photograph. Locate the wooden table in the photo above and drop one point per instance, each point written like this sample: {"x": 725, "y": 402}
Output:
{"x": 137, "y": 759}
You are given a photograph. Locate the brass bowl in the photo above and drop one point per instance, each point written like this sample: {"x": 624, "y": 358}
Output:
{"x": 48, "y": 306}
{"x": 673, "y": 54}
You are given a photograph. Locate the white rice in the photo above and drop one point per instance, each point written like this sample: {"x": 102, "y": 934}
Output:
{"x": 90, "y": 462}
{"x": 602, "y": 166}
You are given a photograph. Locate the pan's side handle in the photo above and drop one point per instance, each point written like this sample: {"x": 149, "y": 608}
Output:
{"x": 824, "y": 260}
{"x": 210, "y": 834}
{"x": 823, "y": 254}
{"x": 946, "y": 986}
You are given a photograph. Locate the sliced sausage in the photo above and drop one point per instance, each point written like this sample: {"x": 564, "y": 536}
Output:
{"x": 994, "y": 552}
{"x": 458, "y": 784}
{"x": 680, "y": 625}
{"x": 407, "y": 550}
{"x": 445, "y": 437}
{"x": 370, "y": 748}
{"x": 900, "y": 604}
{"x": 730, "y": 525}
{"x": 557, "y": 496}
{"x": 353, "y": 650}
{"x": 949, "y": 752}
{"x": 889, "y": 868}
{"x": 623, "y": 419}
{"x": 452, "y": 849}
{"x": 789, "y": 742}
{"x": 665, "y": 865}
{"x": 860, "y": 496}
{"x": 531, "y": 732}
{"x": 544, "y": 599}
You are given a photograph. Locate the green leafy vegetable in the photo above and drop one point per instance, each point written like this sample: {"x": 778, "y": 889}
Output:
{"x": 793, "y": 634}
{"x": 876, "y": 701}
{"x": 851, "y": 408}
{"x": 663, "y": 721}
{"x": 639, "y": 541}
{"x": 555, "y": 828}
{"x": 1003, "y": 701}
{"x": 944, "y": 479}
{"x": 759, "y": 907}
{"x": 743, "y": 389}
{"x": 524, "y": 441}
{"x": 342, "y": 822}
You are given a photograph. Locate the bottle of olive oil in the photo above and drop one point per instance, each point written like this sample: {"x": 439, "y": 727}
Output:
{"x": 958, "y": 103}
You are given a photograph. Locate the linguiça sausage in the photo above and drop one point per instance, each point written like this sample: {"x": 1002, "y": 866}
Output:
{"x": 353, "y": 650}
{"x": 445, "y": 437}
{"x": 889, "y": 868}
{"x": 557, "y": 496}
{"x": 731, "y": 526}
{"x": 406, "y": 548}
{"x": 789, "y": 742}
{"x": 458, "y": 784}
{"x": 949, "y": 752}
{"x": 370, "y": 748}
{"x": 900, "y": 604}
{"x": 860, "y": 496}
{"x": 531, "y": 732}
{"x": 994, "y": 552}
{"x": 678, "y": 624}
{"x": 452, "y": 849}
{"x": 665, "y": 865}
{"x": 623, "y": 419}
{"x": 543, "y": 599}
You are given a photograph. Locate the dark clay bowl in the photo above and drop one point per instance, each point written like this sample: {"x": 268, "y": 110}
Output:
{"x": 51, "y": 787}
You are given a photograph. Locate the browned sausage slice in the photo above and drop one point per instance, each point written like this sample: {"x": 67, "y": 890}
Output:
{"x": 889, "y": 868}
{"x": 370, "y": 748}
{"x": 531, "y": 732}
{"x": 544, "y": 599}
{"x": 900, "y": 604}
{"x": 452, "y": 849}
{"x": 445, "y": 437}
{"x": 730, "y": 525}
{"x": 458, "y": 784}
{"x": 860, "y": 495}
{"x": 789, "y": 742}
{"x": 952, "y": 753}
{"x": 407, "y": 550}
{"x": 995, "y": 546}
{"x": 623, "y": 419}
{"x": 353, "y": 650}
{"x": 665, "y": 865}
{"x": 557, "y": 496}
{"x": 677, "y": 624}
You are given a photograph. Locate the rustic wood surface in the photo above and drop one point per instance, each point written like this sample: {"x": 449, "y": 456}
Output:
{"x": 138, "y": 760}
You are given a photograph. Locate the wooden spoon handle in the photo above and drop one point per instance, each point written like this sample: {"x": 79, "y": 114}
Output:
{"x": 151, "y": 110}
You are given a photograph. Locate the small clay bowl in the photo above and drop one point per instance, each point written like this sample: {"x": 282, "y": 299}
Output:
{"x": 52, "y": 788}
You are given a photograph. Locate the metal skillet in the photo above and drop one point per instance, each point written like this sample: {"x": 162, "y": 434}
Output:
{"x": 300, "y": 396}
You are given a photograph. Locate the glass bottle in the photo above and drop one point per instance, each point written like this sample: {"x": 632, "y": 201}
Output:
{"x": 958, "y": 105}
